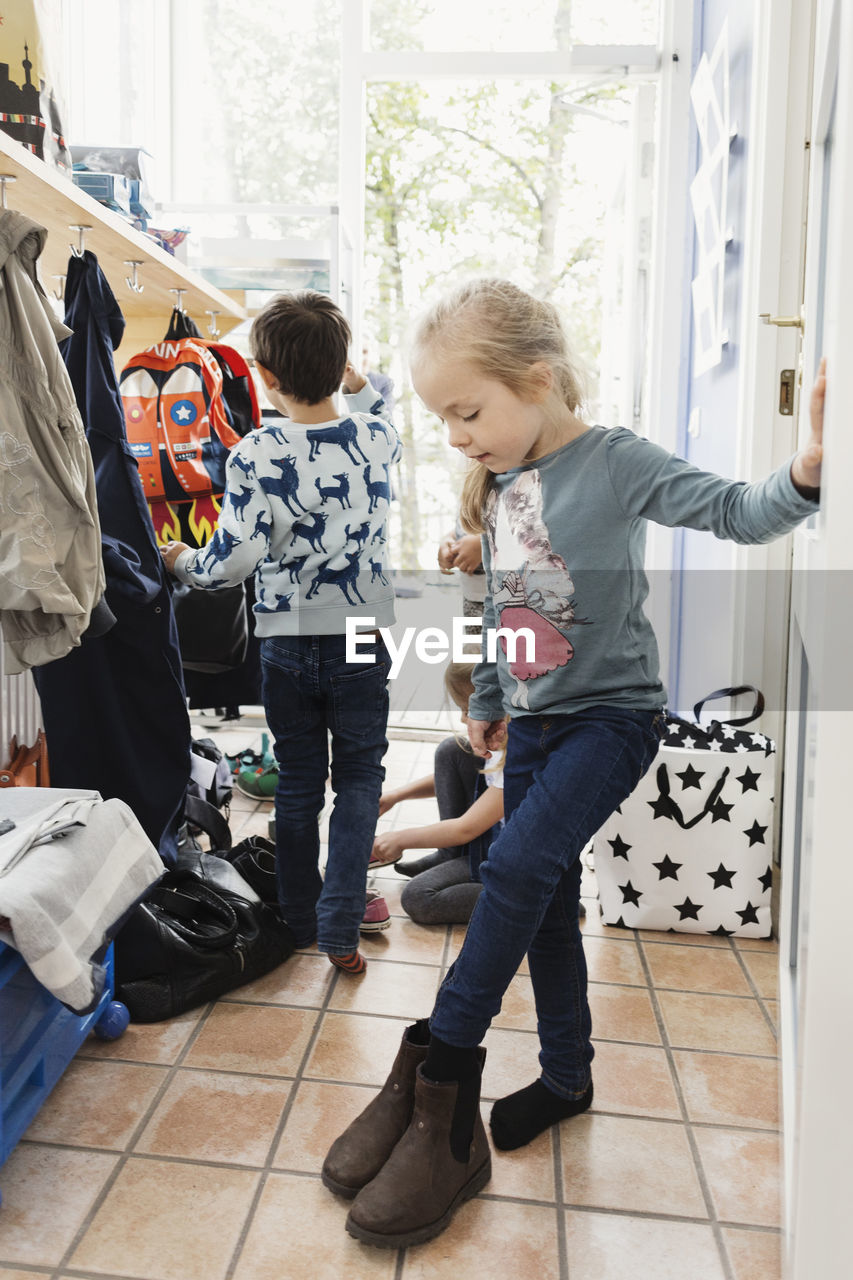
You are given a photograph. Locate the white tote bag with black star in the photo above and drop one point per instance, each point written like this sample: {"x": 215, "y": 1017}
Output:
{"x": 690, "y": 848}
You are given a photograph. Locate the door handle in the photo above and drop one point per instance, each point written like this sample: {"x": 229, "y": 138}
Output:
{"x": 782, "y": 322}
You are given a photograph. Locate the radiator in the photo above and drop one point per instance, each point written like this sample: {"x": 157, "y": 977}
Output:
{"x": 20, "y": 711}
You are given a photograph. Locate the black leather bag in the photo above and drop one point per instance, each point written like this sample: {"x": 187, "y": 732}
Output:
{"x": 213, "y": 628}
{"x": 199, "y": 932}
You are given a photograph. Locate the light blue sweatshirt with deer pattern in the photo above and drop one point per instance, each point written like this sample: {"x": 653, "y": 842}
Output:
{"x": 305, "y": 510}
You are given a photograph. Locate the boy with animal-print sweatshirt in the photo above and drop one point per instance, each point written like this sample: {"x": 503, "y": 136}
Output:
{"x": 305, "y": 510}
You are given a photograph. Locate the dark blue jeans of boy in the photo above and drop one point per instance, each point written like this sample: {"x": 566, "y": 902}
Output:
{"x": 563, "y": 777}
{"x": 311, "y": 692}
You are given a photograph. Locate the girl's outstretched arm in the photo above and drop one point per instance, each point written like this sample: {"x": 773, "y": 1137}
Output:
{"x": 486, "y": 810}
{"x": 422, "y": 789}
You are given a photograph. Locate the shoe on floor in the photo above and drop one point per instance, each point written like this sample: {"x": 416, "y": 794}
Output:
{"x": 427, "y": 1176}
{"x": 251, "y": 760}
{"x": 382, "y": 862}
{"x": 359, "y": 1153}
{"x": 258, "y": 783}
{"x": 254, "y": 858}
{"x": 376, "y": 914}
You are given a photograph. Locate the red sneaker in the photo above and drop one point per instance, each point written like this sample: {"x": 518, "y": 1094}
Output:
{"x": 376, "y": 915}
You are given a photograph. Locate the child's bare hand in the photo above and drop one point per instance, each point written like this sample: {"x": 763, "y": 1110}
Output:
{"x": 486, "y": 736}
{"x": 386, "y": 801}
{"x": 469, "y": 553}
{"x": 387, "y": 847}
{"x": 446, "y": 555}
{"x": 806, "y": 467}
{"x": 353, "y": 380}
{"x": 170, "y": 553}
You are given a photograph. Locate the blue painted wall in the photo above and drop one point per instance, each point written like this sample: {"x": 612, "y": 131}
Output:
{"x": 703, "y": 596}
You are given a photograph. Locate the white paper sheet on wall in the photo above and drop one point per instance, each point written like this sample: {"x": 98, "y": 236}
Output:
{"x": 709, "y": 96}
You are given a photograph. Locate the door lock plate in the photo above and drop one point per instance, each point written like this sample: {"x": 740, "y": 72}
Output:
{"x": 786, "y": 391}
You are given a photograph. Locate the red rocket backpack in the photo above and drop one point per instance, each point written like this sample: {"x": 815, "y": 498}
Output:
{"x": 238, "y": 388}
{"x": 177, "y": 427}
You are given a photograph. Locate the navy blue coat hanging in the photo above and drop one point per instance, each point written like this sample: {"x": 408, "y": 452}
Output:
{"x": 114, "y": 709}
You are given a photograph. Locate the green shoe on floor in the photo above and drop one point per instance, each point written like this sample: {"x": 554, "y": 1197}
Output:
{"x": 258, "y": 783}
{"x": 249, "y": 760}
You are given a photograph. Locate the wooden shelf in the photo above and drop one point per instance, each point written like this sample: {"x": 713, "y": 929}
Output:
{"x": 50, "y": 198}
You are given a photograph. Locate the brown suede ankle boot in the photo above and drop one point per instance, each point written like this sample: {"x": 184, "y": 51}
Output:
{"x": 356, "y": 1157}
{"x": 429, "y": 1174}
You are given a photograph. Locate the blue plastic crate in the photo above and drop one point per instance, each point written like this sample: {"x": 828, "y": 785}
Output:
{"x": 38, "y": 1039}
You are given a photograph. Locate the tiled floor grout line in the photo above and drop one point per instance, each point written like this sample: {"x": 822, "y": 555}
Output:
{"x": 125, "y": 1155}
{"x": 688, "y": 1128}
{"x": 102, "y": 1275}
{"x": 279, "y": 1129}
{"x": 396, "y": 1017}
{"x": 757, "y": 994}
{"x": 239, "y": 1166}
{"x": 562, "y": 1235}
{"x": 650, "y": 1215}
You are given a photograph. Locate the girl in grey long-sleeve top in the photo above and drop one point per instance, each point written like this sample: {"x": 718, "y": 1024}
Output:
{"x": 563, "y": 507}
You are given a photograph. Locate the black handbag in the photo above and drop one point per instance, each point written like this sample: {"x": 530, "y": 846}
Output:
{"x": 213, "y": 629}
{"x": 199, "y": 932}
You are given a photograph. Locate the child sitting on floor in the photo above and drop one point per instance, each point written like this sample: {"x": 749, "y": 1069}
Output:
{"x": 445, "y": 884}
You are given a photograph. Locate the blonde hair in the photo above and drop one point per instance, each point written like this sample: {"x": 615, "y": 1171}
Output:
{"x": 459, "y": 683}
{"x": 503, "y": 331}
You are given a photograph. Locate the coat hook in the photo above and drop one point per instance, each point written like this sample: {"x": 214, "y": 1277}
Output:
{"x": 59, "y": 293}
{"x": 132, "y": 281}
{"x": 81, "y": 228}
{"x": 179, "y": 305}
{"x": 4, "y": 179}
{"x": 213, "y": 328}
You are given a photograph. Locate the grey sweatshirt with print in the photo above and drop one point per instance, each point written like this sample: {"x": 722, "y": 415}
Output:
{"x": 564, "y": 549}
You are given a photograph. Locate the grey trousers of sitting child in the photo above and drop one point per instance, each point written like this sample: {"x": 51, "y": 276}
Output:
{"x": 446, "y": 894}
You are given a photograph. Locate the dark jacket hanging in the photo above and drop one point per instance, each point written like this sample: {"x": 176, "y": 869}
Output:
{"x": 114, "y": 709}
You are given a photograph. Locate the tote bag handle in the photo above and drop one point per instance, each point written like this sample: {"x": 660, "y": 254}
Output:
{"x": 732, "y": 693}
{"x": 672, "y": 808}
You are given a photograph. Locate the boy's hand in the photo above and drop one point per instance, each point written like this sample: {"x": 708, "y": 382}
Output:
{"x": 353, "y": 380}
{"x": 486, "y": 736}
{"x": 469, "y": 553}
{"x": 806, "y": 467}
{"x": 170, "y": 553}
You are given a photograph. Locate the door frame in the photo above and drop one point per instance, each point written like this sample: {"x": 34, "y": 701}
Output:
{"x": 773, "y": 284}
{"x": 816, "y": 1025}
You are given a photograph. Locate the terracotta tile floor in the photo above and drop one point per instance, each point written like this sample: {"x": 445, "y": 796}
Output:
{"x": 191, "y": 1150}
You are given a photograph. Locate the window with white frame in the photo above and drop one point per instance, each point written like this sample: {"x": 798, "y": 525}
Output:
{"x": 437, "y": 139}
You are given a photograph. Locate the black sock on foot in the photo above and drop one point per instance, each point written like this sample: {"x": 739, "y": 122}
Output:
{"x": 519, "y": 1118}
{"x": 446, "y": 1063}
{"x": 418, "y": 1033}
{"x": 449, "y": 1062}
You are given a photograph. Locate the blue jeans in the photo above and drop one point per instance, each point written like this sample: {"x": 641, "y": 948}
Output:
{"x": 563, "y": 777}
{"x": 310, "y": 691}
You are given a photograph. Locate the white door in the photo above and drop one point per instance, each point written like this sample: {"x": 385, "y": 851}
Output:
{"x": 816, "y": 990}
